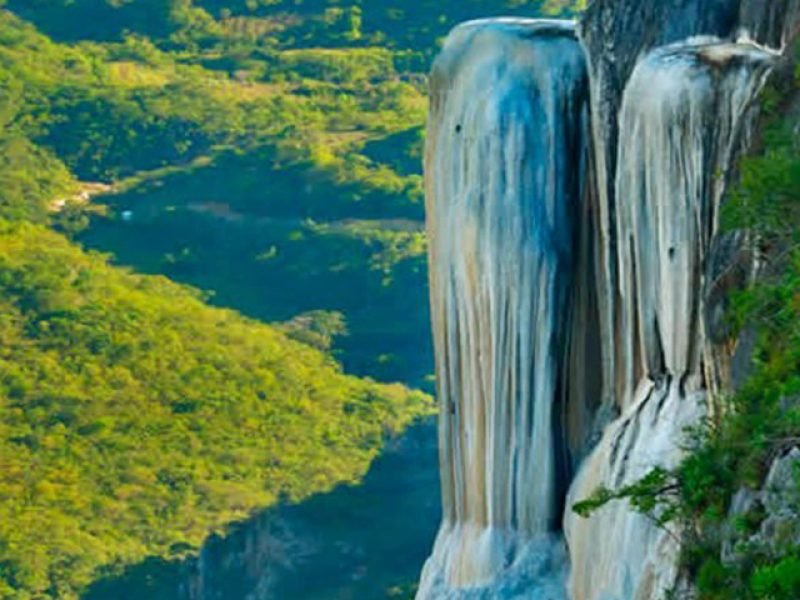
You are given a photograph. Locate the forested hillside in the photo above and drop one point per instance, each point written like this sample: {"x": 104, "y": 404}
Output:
{"x": 135, "y": 419}
{"x": 249, "y": 144}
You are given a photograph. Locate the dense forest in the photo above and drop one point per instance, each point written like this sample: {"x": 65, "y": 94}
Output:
{"x": 265, "y": 153}
{"x": 278, "y": 144}
{"x": 135, "y": 419}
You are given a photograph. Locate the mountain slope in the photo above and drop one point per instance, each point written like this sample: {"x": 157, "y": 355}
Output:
{"x": 134, "y": 419}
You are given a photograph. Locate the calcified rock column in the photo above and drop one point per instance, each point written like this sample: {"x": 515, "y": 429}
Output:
{"x": 680, "y": 124}
{"x": 616, "y": 34}
{"x": 504, "y": 175}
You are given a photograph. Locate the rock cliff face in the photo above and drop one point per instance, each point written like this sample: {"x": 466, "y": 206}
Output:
{"x": 311, "y": 550}
{"x": 575, "y": 302}
{"x": 773, "y": 513}
{"x": 673, "y": 87}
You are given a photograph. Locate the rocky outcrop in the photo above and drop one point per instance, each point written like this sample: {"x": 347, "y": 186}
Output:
{"x": 731, "y": 266}
{"x": 766, "y": 521}
{"x": 669, "y": 120}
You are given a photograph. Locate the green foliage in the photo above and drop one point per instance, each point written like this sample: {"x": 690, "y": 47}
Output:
{"x": 240, "y": 229}
{"x": 779, "y": 581}
{"x": 211, "y": 24}
{"x": 713, "y": 579}
{"x": 136, "y": 419}
{"x": 316, "y": 328}
{"x": 764, "y": 203}
{"x": 404, "y": 592}
{"x": 653, "y": 495}
{"x": 31, "y": 179}
{"x": 285, "y": 145}
{"x": 111, "y": 111}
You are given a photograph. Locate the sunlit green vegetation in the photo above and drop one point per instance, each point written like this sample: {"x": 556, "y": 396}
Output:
{"x": 172, "y": 135}
{"x": 272, "y": 110}
{"x": 134, "y": 419}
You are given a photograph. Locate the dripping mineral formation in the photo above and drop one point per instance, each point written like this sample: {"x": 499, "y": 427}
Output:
{"x": 569, "y": 279}
{"x": 680, "y": 121}
{"x": 505, "y": 156}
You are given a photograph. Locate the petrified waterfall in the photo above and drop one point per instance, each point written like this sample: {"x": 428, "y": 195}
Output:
{"x": 546, "y": 240}
{"x": 682, "y": 118}
{"x": 505, "y": 163}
